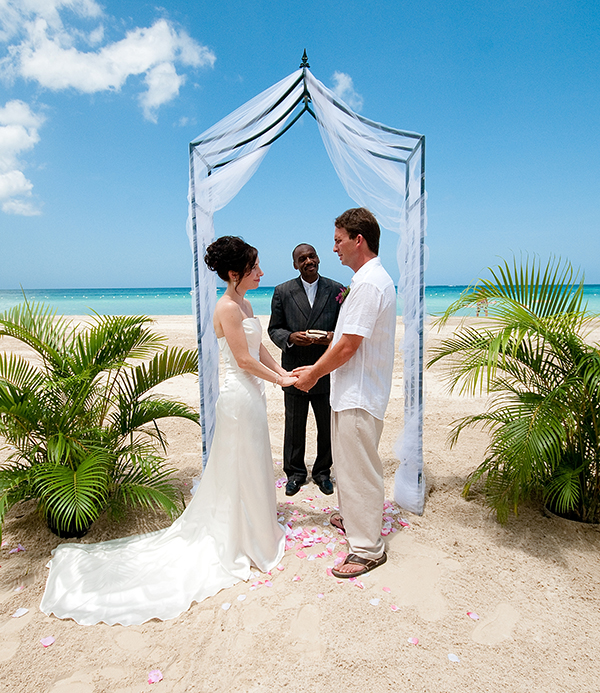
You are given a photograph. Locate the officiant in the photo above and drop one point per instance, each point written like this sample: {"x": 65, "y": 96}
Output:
{"x": 304, "y": 311}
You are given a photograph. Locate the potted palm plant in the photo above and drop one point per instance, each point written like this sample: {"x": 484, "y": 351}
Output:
{"x": 543, "y": 379}
{"x": 80, "y": 419}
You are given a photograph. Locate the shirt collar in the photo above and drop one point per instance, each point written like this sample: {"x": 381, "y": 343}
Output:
{"x": 309, "y": 287}
{"x": 366, "y": 268}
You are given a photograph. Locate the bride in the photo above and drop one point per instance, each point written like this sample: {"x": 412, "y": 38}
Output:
{"x": 231, "y": 523}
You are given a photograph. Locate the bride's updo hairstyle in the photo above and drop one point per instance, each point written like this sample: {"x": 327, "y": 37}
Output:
{"x": 230, "y": 254}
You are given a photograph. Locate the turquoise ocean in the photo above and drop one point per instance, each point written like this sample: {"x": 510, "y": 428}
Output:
{"x": 178, "y": 301}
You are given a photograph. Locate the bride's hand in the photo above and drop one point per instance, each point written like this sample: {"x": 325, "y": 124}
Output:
{"x": 287, "y": 380}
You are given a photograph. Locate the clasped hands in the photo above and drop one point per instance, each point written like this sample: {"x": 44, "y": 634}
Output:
{"x": 305, "y": 378}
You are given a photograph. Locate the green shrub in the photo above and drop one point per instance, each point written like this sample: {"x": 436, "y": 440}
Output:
{"x": 80, "y": 419}
{"x": 543, "y": 381}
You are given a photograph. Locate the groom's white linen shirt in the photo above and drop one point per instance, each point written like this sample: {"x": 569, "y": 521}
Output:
{"x": 369, "y": 310}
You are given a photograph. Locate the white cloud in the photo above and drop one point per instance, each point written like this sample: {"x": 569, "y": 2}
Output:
{"x": 14, "y": 13}
{"x": 344, "y": 90}
{"x": 14, "y": 183}
{"x": 49, "y": 52}
{"x": 163, "y": 85}
{"x": 62, "y": 44}
{"x": 18, "y": 133}
{"x": 20, "y": 207}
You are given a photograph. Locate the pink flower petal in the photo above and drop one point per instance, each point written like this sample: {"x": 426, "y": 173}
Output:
{"x": 413, "y": 641}
{"x": 329, "y": 572}
{"x": 393, "y": 607}
{"x": 296, "y": 578}
{"x": 320, "y": 595}
{"x": 280, "y": 567}
{"x": 386, "y": 589}
{"x": 155, "y": 676}
{"x": 473, "y": 615}
{"x": 300, "y": 554}
{"x": 46, "y": 642}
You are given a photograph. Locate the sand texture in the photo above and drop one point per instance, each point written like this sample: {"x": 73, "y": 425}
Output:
{"x": 534, "y": 585}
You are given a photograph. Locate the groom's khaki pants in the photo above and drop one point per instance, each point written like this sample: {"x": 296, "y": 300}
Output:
{"x": 355, "y": 436}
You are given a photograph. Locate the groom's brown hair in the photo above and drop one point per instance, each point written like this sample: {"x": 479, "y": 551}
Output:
{"x": 360, "y": 220}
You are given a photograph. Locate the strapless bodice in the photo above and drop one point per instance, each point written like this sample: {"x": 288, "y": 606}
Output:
{"x": 253, "y": 331}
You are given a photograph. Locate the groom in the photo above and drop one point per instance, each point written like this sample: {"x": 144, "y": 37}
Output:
{"x": 360, "y": 360}
{"x": 299, "y": 305}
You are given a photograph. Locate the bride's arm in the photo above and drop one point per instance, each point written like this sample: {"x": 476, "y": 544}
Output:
{"x": 228, "y": 316}
{"x": 269, "y": 361}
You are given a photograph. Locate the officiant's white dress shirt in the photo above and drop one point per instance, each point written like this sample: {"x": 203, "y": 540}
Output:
{"x": 311, "y": 290}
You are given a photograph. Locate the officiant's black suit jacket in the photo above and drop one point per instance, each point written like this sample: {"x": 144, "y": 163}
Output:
{"x": 291, "y": 312}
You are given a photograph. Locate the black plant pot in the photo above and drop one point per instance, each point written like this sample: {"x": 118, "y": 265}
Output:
{"x": 71, "y": 530}
{"x": 553, "y": 513}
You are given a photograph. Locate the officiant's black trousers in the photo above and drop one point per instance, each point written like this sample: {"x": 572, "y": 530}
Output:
{"x": 294, "y": 441}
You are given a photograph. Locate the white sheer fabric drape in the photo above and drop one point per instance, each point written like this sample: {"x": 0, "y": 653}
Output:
{"x": 241, "y": 139}
{"x": 380, "y": 168}
{"x": 369, "y": 159}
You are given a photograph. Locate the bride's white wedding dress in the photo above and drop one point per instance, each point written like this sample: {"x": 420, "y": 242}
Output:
{"x": 229, "y": 526}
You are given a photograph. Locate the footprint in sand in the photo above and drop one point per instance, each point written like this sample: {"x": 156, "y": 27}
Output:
{"x": 254, "y": 615}
{"x": 498, "y": 627}
{"x": 413, "y": 572}
{"x": 305, "y": 629}
{"x": 14, "y": 625}
{"x": 130, "y": 640}
{"x": 8, "y": 649}
{"x": 80, "y": 682}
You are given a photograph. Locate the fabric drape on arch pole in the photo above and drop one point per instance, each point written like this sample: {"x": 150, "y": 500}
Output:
{"x": 380, "y": 167}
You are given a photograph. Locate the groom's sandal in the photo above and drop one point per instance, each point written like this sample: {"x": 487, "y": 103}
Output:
{"x": 337, "y": 521}
{"x": 353, "y": 559}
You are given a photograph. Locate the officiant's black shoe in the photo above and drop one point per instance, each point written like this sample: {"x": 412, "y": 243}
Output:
{"x": 325, "y": 485}
{"x": 293, "y": 485}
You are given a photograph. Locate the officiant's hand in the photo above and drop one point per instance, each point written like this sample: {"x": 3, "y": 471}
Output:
{"x": 325, "y": 340}
{"x": 306, "y": 378}
{"x": 300, "y": 339}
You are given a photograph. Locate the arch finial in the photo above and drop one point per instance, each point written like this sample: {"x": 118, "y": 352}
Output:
{"x": 304, "y": 62}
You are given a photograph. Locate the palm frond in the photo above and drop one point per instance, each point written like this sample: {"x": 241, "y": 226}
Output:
{"x": 543, "y": 413}
{"x": 129, "y": 418}
{"x": 163, "y": 366}
{"x": 146, "y": 483}
{"x": 73, "y": 496}
{"x": 563, "y": 491}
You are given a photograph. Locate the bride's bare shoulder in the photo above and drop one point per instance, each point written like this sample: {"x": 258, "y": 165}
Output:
{"x": 227, "y": 312}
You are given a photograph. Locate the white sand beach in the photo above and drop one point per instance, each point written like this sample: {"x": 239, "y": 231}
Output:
{"x": 532, "y": 587}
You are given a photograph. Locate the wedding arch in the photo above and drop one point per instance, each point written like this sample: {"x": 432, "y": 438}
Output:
{"x": 380, "y": 167}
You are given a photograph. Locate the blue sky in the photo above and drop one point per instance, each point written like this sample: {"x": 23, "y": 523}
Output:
{"x": 98, "y": 103}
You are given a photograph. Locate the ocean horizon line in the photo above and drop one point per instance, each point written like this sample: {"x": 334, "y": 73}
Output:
{"x": 177, "y": 300}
